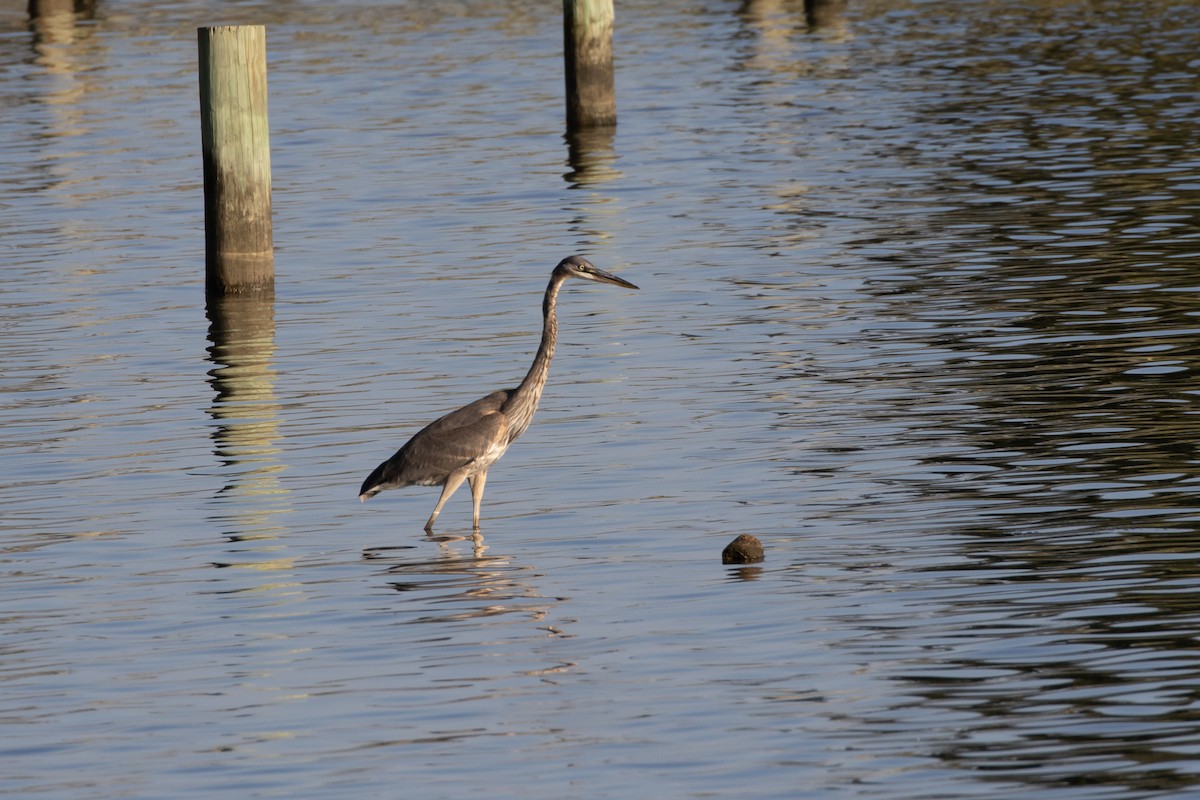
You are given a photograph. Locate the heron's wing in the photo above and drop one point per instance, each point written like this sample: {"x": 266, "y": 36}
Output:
{"x": 450, "y": 442}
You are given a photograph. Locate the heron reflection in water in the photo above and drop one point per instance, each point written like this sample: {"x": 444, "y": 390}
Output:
{"x": 464, "y": 444}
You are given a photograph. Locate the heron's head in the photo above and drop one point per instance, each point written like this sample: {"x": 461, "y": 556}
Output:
{"x": 580, "y": 267}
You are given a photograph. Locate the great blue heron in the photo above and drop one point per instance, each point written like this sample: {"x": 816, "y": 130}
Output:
{"x": 463, "y": 444}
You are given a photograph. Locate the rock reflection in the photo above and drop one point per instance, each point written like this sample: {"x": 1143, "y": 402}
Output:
{"x": 744, "y": 573}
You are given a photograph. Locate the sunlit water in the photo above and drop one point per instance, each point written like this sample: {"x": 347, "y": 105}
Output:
{"x": 918, "y": 309}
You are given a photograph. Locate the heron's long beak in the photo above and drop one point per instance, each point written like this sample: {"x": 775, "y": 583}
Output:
{"x": 607, "y": 277}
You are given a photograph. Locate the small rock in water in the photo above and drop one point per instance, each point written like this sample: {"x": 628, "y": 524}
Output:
{"x": 745, "y": 549}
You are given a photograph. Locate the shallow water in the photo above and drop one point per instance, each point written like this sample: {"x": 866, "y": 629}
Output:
{"x": 918, "y": 310}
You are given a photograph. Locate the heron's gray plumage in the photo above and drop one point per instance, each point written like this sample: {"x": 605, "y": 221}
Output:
{"x": 463, "y": 444}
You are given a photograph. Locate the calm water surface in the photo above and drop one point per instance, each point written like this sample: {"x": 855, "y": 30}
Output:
{"x": 919, "y": 309}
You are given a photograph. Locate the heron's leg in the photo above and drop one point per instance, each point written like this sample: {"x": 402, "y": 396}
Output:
{"x": 453, "y": 481}
{"x": 477, "y": 481}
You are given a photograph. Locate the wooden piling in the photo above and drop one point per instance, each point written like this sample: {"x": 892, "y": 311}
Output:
{"x": 239, "y": 252}
{"x": 587, "y": 51}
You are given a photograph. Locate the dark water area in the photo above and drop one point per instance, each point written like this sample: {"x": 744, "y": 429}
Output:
{"x": 919, "y": 310}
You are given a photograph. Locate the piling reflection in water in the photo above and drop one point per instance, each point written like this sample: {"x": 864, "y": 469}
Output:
{"x": 592, "y": 158}
{"x": 242, "y": 335}
{"x": 826, "y": 15}
{"x": 68, "y": 51}
{"x": 53, "y": 21}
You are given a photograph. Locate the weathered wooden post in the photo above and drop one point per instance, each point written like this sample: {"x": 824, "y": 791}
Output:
{"x": 587, "y": 50}
{"x": 239, "y": 253}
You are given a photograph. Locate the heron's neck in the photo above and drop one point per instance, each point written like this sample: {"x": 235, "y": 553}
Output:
{"x": 526, "y": 396}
